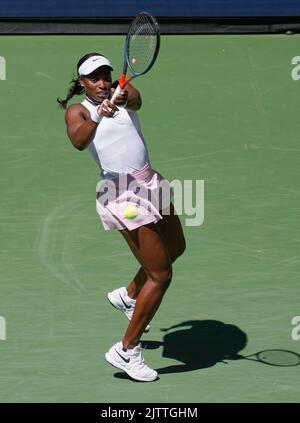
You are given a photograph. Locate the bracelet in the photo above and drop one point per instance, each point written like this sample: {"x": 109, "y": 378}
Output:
{"x": 95, "y": 115}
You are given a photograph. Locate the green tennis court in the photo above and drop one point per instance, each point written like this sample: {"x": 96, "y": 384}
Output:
{"x": 223, "y": 109}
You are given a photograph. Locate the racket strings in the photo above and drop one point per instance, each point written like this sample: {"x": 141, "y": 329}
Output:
{"x": 143, "y": 44}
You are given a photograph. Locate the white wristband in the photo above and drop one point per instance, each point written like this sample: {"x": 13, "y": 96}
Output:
{"x": 95, "y": 115}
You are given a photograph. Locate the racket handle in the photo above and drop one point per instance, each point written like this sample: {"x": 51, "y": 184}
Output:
{"x": 116, "y": 93}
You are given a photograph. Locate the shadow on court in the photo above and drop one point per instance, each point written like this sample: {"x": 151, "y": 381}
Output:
{"x": 197, "y": 344}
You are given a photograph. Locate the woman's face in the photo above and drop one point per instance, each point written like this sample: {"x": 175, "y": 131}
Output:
{"x": 97, "y": 84}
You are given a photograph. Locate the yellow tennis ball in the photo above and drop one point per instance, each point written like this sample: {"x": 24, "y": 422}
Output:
{"x": 131, "y": 212}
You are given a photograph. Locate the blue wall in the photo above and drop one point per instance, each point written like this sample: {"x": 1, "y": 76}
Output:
{"x": 109, "y": 8}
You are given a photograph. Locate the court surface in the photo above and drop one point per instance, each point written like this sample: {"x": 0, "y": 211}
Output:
{"x": 223, "y": 109}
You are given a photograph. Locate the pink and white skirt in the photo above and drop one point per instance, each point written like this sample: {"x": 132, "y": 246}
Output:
{"x": 145, "y": 191}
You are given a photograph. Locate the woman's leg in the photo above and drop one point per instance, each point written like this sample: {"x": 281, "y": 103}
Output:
{"x": 171, "y": 231}
{"x": 148, "y": 246}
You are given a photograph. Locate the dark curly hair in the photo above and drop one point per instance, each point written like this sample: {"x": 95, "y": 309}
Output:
{"x": 75, "y": 87}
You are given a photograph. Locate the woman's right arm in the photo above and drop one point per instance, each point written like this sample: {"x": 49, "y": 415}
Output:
{"x": 80, "y": 127}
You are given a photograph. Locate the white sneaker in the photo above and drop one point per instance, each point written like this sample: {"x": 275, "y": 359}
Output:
{"x": 120, "y": 300}
{"x": 131, "y": 362}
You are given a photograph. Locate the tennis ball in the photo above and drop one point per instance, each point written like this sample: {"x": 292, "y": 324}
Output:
{"x": 131, "y": 212}
{"x": 133, "y": 60}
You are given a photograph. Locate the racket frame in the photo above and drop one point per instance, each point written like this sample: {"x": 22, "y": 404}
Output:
{"x": 123, "y": 81}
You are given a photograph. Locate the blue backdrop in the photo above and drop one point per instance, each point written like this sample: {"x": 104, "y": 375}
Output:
{"x": 114, "y": 8}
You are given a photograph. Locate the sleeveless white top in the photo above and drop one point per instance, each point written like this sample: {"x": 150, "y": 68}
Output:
{"x": 118, "y": 145}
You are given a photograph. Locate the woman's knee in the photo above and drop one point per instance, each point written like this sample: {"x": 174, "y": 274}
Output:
{"x": 162, "y": 277}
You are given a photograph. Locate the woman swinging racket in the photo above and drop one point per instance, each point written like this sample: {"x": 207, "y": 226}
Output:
{"x": 112, "y": 133}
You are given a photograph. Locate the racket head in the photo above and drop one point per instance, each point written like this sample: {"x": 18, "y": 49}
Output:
{"x": 275, "y": 357}
{"x": 280, "y": 358}
{"x": 142, "y": 44}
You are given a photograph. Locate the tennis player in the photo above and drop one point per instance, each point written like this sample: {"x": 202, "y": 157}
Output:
{"x": 113, "y": 135}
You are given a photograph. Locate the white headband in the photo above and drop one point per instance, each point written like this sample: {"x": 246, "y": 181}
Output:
{"x": 93, "y": 63}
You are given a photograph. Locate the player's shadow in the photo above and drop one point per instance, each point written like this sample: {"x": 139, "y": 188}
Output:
{"x": 197, "y": 344}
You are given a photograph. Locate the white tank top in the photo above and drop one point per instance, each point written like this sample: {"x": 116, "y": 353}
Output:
{"x": 118, "y": 145}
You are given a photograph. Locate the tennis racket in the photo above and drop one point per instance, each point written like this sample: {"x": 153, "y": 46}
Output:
{"x": 281, "y": 358}
{"x": 141, "y": 49}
